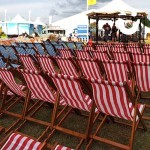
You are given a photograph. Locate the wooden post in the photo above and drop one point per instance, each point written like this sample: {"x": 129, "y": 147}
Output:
{"x": 97, "y": 18}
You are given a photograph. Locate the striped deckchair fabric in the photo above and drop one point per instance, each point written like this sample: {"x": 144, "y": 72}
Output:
{"x": 115, "y": 99}
{"x": 102, "y": 48}
{"x": 67, "y": 66}
{"x": 7, "y": 77}
{"x": 66, "y": 53}
{"x": 46, "y": 63}
{"x": 121, "y": 56}
{"x": 38, "y": 85}
{"x": 83, "y": 54}
{"x": 147, "y": 50}
{"x": 28, "y": 62}
{"x": 18, "y": 141}
{"x": 91, "y": 68}
{"x": 60, "y": 147}
{"x": 134, "y": 49}
{"x": 137, "y": 57}
{"x": 142, "y": 73}
{"x": 88, "y": 48}
{"x": 71, "y": 91}
{"x": 112, "y": 99}
{"x": 100, "y": 55}
{"x": 118, "y": 71}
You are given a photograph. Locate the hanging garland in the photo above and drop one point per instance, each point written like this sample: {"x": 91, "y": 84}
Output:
{"x": 128, "y": 30}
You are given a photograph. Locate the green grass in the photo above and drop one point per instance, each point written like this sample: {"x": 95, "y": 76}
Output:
{"x": 110, "y": 130}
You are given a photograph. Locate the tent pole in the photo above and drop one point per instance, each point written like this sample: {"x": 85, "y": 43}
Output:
{"x": 140, "y": 31}
{"x": 97, "y": 18}
{"x": 144, "y": 30}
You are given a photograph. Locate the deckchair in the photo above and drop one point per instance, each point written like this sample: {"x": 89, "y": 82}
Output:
{"x": 137, "y": 57}
{"x": 47, "y": 63}
{"x": 83, "y": 54}
{"x": 51, "y": 50}
{"x": 89, "y": 48}
{"x": 142, "y": 78}
{"x": 115, "y": 99}
{"x": 119, "y": 71}
{"x": 12, "y": 53}
{"x": 68, "y": 66}
{"x": 29, "y": 62}
{"x": 122, "y": 56}
{"x": 79, "y": 45}
{"x": 17, "y": 141}
{"x": 16, "y": 91}
{"x": 92, "y": 68}
{"x": 40, "y": 86}
{"x": 40, "y": 48}
{"x": 66, "y": 53}
{"x": 20, "y": 50}
{"x": 102, "y": 48}
{"x": 72, "y": 90}
{"x": 101, "y": 55}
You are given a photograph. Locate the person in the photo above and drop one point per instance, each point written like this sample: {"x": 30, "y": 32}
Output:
{"x": 107, "y": 30}
{"x": 113, "y": 33}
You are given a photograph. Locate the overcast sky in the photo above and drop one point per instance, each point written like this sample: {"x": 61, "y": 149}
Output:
{"x": 58, "y": 9}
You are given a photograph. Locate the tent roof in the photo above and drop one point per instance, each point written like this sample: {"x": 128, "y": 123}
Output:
{"x": 38, "y": 21}
{"x": 18, "y": 19}
{"x": 114, "y": 8}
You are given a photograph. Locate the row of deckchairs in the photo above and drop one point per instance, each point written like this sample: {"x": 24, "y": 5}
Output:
{"x": 109, "y": 99}
{"x": 61, "y": 83}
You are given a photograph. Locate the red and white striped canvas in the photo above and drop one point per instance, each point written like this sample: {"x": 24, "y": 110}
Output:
{"x": 27, "y": 62}
{"x": 19, "y": 142}
{"x": 7, "y": 77}
{"x": 71, "y": 91}
{"x": 142, "y": 72}
{"x": 90, "y": 68}
{"x": 38, "y": 86}
{"x": 121, "y": 56}
{"x": 100, "y": 55}
{"x": 60, "y": 147}
{"x": 111, "y": 99}
{"x": 102, "y": 48}
{"x": 46, "y": 63}
{"x": 118, "y": 71}
{"x": 141, "y": 57}
{"x": 83, "y": 54}
{"x": 88, "y": 48}
{"x": 66, "y": 66}
{"x": 65, "y": 53}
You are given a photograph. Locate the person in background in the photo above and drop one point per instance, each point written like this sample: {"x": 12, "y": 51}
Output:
{"x": 114, "y": 33}
{"x": 107, "y": 30}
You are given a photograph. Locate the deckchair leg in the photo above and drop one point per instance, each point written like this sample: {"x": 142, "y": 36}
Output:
{"x": 26, "y": 104}
{"x": 99, "y": 127}
{"x": 55, "y": 110}
{"x": 90, "y": 121}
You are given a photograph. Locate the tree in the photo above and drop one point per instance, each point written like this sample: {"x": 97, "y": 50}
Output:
{"x": 146, "y": 21}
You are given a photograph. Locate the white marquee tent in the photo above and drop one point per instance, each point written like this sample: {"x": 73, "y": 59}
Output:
{"x": 115, "y": 6}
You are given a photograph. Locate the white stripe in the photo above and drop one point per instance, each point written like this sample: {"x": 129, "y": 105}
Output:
{"x": 21, "y": 142}
{"x": 36, "y": 145}
{"x": 13, "y": 142}
{"x": 28, "y": 144}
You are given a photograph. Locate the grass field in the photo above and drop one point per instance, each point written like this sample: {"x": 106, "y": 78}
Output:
{"x": 76, "y": 122}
